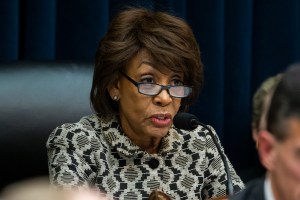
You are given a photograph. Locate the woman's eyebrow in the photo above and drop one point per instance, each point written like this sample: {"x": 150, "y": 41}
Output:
{"x": 147, "y": 63}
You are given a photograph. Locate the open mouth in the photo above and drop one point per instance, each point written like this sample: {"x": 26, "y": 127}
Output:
{"x": 161, "y": 120}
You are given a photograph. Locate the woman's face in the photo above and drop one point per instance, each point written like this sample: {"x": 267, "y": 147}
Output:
{"x": 146, "y": 119}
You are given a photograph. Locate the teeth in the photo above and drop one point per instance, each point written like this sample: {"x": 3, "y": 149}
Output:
{"x": 161, "y": 117}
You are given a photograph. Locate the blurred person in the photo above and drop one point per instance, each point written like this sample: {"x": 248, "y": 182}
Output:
{"x": 81, "y": 194}
{"x": 36, "y": 188}
{"x": 147, "y": 69}
{"x": 260, "y": 102}
{"x": 279, "y": 144}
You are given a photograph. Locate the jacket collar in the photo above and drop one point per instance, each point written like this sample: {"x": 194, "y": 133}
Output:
{"x": 117, "y": 139}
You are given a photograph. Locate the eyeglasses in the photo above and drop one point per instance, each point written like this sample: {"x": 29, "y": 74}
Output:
{"x": 153, "y": 89}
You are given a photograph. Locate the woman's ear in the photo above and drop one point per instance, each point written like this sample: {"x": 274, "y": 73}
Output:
{"x": 267, "y": 149}
{"x": 113, "y": 90}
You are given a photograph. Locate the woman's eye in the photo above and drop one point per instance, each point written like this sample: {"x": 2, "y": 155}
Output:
{"x": 147, "y": 80}
{"x": 177, "y": 82}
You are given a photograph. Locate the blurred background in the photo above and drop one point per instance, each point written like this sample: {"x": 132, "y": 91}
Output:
{"x": 242, "y": 43}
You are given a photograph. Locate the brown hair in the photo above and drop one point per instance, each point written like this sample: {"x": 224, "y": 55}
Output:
{"x": 260, "y": 99}
{"x": 168, "y": 39}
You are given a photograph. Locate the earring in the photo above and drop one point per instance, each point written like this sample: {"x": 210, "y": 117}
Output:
{"x": 115, "y": 98}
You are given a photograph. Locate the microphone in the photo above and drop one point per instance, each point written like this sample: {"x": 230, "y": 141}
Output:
{"x": 188, "y": 121}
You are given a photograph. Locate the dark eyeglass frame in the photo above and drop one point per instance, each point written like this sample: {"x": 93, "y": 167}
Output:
{"x": 162, "y": 87}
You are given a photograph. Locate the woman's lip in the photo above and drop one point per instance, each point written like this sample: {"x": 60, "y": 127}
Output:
{"x": 162, "y": 115}
{"x": 161, "y": 120}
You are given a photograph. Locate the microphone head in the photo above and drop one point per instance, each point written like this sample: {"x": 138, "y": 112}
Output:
{"x": 185, "y": 121}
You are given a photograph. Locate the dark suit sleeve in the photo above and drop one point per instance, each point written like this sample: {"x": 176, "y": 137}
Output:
{"x": 254, "y": 191}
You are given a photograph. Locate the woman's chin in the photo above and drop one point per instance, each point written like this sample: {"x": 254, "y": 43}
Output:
{"x": 159, "y": 132}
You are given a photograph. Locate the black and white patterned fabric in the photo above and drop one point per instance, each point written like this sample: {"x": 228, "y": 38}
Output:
{"x": 96, "y": 153}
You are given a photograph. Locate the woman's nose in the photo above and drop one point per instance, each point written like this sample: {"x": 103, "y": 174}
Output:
{"x": 163, "y": 98}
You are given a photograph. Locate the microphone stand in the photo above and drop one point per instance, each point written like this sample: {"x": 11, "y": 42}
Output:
{"x": 229, "y": 179}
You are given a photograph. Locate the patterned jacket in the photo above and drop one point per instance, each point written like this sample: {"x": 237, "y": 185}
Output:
{"x": 96, "y": 153}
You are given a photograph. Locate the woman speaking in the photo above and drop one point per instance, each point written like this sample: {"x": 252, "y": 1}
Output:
{"x": 147, "y": 69}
